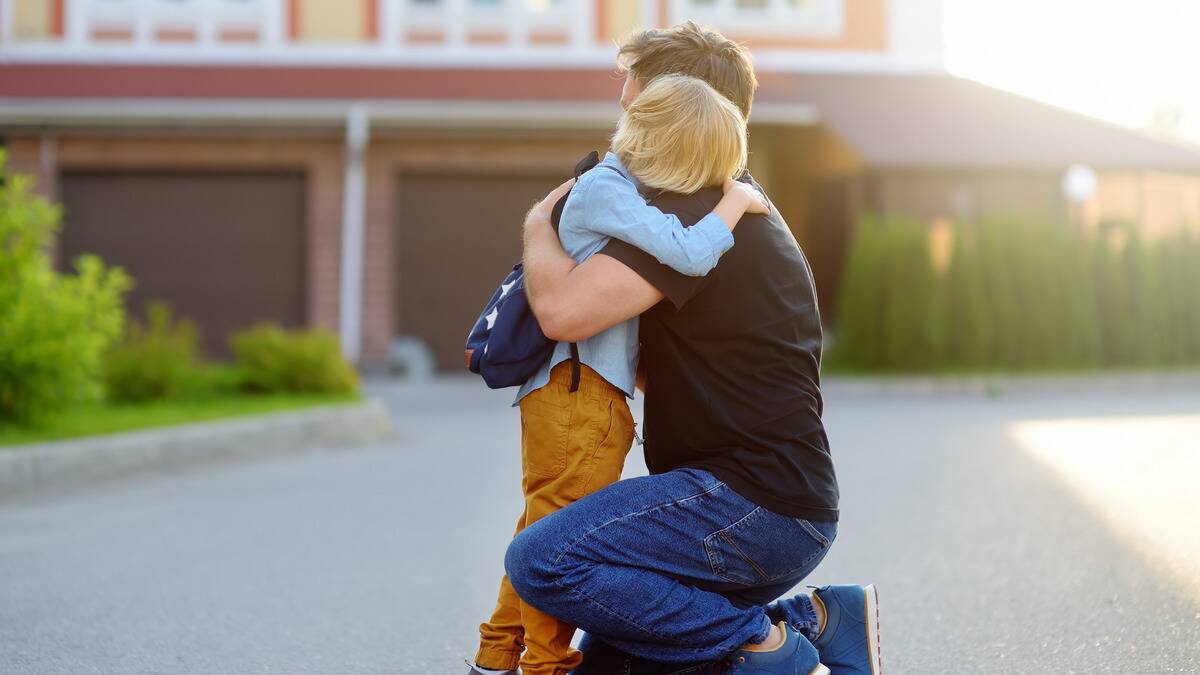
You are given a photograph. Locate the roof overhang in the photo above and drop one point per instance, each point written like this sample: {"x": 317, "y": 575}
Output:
{"x": 57, "y": 113}
{"x": 889, "y": 119}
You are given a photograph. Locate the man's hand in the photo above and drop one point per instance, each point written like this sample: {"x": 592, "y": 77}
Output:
{"x": 539, "y": 215}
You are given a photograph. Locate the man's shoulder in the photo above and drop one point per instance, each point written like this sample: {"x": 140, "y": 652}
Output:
{"x": 688, "y": 208}
{"x": 696, "y": 205}
{"x": 678, "y": 288}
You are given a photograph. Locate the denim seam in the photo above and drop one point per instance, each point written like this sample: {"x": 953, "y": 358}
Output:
{"x": 723, "y": 533}
{"x": 614, "y": 614}
{"x": 821, "y": 539}
{"x": 679, "y": 646}
{"x": 757, "y": 568}
{"x": 572, "y": 544}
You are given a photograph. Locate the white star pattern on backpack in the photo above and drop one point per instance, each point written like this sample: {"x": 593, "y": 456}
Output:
{"x": 491, "y": 317}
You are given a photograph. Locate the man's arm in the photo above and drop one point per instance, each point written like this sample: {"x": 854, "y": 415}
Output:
{"x": 574, "y": 302}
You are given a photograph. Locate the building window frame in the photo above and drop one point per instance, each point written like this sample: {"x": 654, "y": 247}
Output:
{"x": 822, "y": 19}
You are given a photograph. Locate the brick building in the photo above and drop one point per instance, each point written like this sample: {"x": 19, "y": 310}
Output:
{"x": 363, "y": 165}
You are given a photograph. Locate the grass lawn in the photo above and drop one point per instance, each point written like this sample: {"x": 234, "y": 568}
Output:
{"x": 89, "y": 419}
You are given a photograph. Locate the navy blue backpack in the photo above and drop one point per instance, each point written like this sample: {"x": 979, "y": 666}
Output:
{"x": 506, "y": 346}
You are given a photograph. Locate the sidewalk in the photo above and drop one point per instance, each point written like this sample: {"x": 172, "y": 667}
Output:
{"x": 60, "y": 465}
{"x": 1002, "y": 384}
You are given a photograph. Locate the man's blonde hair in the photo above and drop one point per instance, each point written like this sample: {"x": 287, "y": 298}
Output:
{"x": 680, "y": 135}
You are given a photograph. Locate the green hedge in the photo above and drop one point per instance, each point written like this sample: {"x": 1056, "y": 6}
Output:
{"x": 54, "y": 328}
{"x": 271, "y": 359}
{"x": 156, "y": 360}
{"x": 1018, "y": 295}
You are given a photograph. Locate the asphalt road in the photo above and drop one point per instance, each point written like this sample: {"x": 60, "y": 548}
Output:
{"x": 1003, "y": 536}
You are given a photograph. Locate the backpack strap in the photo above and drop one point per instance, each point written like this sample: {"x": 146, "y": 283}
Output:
{"x": 575, "y": 368}
{"x": 586, "y": 164}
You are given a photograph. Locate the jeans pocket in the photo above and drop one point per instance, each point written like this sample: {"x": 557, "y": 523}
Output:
{"x": 764, "y": 546}
{"x": 605, "y": 447}
{"x": 545, "y": 434}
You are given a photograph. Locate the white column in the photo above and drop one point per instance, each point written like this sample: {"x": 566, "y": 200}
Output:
{"x": 455, "y": 24}
{"x": 7, "y": 11}
{"x": 76, "y": 21}
{"x": 143, "y": 23}
{"x": 354, "y": 191}
{"x": 583, "y": 25}
{"x": 272, "y": 19}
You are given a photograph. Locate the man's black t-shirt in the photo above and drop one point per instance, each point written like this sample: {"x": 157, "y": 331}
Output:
{"x": 732, "y": 366}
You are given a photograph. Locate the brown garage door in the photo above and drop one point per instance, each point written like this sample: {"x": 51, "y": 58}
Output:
{"x": 224, "y": 249}
{"x": 456, "y": 237}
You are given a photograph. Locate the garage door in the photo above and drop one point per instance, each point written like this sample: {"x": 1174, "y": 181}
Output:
{"x": 224, "y": 249}
{"x": 456, "y": 237}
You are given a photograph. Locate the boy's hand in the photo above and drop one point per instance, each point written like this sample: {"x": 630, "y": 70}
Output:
{"x": 754, "y": 200}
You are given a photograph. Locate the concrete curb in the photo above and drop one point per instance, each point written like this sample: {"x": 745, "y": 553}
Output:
{"x": 58, "y": 465}
{"x": 989, "y": 386}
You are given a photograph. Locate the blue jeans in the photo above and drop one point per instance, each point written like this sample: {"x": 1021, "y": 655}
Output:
{"x": 666, "y": 573}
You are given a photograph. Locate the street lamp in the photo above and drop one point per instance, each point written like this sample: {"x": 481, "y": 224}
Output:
{"x": 1079, "y": 184}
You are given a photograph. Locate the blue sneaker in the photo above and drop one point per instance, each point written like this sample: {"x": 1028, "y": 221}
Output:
{"x": 795, "y": 656}
{"x": 849, "y": 642}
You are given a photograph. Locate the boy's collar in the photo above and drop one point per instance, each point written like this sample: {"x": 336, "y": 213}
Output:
{"x": 611, "y": 160}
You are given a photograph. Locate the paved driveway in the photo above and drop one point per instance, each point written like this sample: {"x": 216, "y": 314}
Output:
{"x": 1007, "y": 535}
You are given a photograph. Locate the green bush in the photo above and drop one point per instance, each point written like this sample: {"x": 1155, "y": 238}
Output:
{"x": 54, "y": 328}
{"x": 968, "y": 323}
{"x": 271, "y": 359}
{"x": 155, "y": 361}
{"x": 913, "y": 315}
{"x": 890, "y": 311}
{"x": 864, "y": 294}
{"x": 1019, "y": 295}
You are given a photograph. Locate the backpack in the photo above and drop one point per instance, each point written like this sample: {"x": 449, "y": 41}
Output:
{"x": 506, "y": 345}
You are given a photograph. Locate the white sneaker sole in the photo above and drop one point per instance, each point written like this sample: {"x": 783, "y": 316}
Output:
{"x": 871, "y": 605}
{"x": 820, "y": 670}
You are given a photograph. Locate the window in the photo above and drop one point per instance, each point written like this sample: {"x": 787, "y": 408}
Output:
{"x": 793, "y": 18}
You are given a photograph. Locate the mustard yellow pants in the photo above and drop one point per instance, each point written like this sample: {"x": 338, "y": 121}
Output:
{"x": 572, "y": 444}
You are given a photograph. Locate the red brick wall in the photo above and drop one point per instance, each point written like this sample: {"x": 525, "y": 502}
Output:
{"x": 321, "y": 160}
{"x": 388, "y": 157}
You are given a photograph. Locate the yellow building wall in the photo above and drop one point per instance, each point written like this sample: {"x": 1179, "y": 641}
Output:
{"x": 326, "y": 21}
{"x": 1118, "y": 198}
{"x": 1172, "y": 203}
{"x": 1159, "y": 203}
{"x": 33, "y": 19}
{"x": 617, "y": 19}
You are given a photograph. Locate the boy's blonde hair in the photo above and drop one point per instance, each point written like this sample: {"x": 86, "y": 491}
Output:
{"x": 680, "y": 135}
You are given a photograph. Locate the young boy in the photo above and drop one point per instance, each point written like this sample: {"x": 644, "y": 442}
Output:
{"x": 678, "y": 135}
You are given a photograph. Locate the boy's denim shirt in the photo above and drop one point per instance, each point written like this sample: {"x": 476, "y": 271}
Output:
{"x": 605, "y": 203}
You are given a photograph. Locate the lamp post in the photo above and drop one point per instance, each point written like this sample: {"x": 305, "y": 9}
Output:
{"x": 1079, "y": 184}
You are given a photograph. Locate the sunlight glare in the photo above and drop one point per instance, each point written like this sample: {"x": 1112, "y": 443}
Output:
{"x": 1139, "y": 474}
